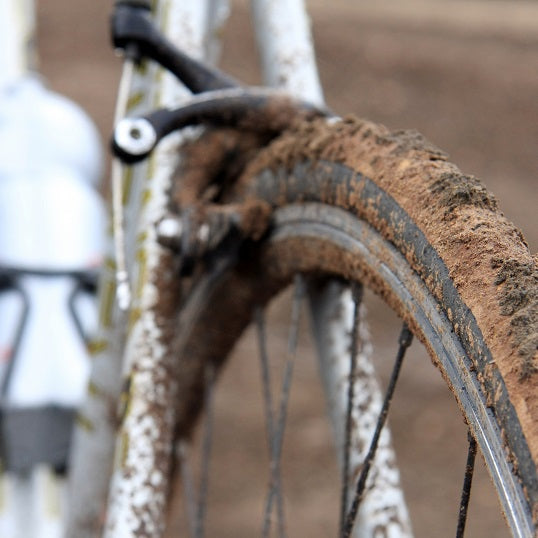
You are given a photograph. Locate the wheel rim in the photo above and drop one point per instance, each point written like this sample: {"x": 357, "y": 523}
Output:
{"x": 314, "y": 226}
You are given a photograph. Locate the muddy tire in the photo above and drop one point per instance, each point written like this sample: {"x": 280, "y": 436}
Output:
{"x": 352, "y": 200}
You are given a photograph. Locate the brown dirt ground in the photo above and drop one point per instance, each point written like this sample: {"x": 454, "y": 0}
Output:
{"x": 464, "y": 74}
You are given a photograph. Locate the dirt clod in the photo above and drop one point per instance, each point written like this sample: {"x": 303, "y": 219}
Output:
{"x": 519, "y": 299}
{"x": 457, "y": 189}
{"x": 408, "y": 140}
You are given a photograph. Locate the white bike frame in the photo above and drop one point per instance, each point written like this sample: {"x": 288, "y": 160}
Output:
{"x": 131, "y": 348}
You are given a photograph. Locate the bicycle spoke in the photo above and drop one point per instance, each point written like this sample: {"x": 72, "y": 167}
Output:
{"x": 207, "y": 442}
{"x": 405, "y": 340}
{"x": 266, "y": 376}
{"x": 268, "y": 406}
{"x": 187, "y": 483}
{"x": 275, "y": 488}
{"x": 466, "y": 490}
{"x": 357, "y": 292}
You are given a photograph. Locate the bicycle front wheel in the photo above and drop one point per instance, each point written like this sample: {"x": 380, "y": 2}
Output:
{"x": 352, "y": 202}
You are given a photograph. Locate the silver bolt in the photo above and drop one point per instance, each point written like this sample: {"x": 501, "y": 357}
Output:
{"x": 203, "y": 233}
{"x": 170, "y": 228}
{"x": 135, "y": 136}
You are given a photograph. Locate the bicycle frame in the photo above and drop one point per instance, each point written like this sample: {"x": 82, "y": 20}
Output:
{"x": 132, "y": 363}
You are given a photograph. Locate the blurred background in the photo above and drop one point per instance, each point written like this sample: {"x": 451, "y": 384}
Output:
{"x": 465, "y": 74}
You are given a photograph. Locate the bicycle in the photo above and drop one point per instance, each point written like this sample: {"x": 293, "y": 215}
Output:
{"x": 402, "y": 241}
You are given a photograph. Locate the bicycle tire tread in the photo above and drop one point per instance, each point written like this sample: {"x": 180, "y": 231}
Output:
{"x": 447, "y": 225}
{"x": 486, "y": 256}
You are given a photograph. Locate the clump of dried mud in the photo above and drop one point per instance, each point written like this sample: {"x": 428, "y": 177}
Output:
{"x": 457, "y": 189}
{"x": 519, "y": 300}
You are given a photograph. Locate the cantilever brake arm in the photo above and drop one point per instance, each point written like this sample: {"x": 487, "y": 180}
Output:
{"x": 224, "y": 102}
{"x": 253, "y": 109}
{"x": 133, "y": 31}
